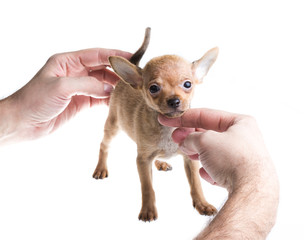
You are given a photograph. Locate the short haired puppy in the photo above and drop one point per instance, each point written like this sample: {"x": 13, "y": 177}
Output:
{"x": 164, "y": 86}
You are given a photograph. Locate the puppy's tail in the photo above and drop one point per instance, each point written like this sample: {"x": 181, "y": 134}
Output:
{"x": 135, "y": 59}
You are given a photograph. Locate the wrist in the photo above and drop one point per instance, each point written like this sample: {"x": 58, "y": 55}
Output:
{"x": 255, "y": 172}
{"x": 257, "y": 203}
{"x": 261, "y": 192}
{"x": 8, "y": 121}
{"x": 251, "y": 209}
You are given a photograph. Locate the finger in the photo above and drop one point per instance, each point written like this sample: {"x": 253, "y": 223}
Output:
{"x": 94, "y": 57}
{"x": 87, "y": 86}
{"x": 90, "y": 59}
{"x": 98, "y": 101}
{"x": 180, "y": 134}
{"x": 105, "y": 75}
{"x": 194, "y": 157}
{"x": 191, "y": 145}
{"x": 208, "y": 119}
{"x": 106, "y": 101}
{"x": 200, "y": 130}
{"x": 206, "y": 176}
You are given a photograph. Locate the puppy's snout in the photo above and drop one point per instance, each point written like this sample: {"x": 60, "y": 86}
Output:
{"x": 173, "y": 102}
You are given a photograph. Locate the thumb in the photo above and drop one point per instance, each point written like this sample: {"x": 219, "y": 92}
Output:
{"x": 87, "y": 86}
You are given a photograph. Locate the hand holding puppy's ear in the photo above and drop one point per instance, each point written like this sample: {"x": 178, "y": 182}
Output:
{"x": 127, "y": 71}
{"x": 201, "y": 67}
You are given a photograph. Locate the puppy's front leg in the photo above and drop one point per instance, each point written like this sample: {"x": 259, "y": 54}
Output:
{"x": 199, "y": 201}
{"x": 148, "y": 211}
{"x": 110, "y": 130}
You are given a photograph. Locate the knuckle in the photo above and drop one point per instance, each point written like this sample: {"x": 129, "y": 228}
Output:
{"x": 247, "y": 119}
{"x": 60, "y": 84}
{"x": 250, "y": 119}
{"x": 204, "y": 138}
{"x": 208, "y": 139}
{"x": 54, "y": 58}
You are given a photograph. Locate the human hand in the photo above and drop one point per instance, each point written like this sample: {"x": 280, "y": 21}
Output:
{"x": 67, "y": 83}
{"x": 233, "y": 155}
{"x": 229, "y": 146}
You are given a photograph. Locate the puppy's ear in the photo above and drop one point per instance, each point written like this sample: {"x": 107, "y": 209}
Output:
{"x": 127, "y": 71}
{"x": 201, "y": 67}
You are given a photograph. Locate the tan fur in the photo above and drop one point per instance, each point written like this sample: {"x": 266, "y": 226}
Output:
{"x": 135, "y": 110}
{"x": 162, "y": 166}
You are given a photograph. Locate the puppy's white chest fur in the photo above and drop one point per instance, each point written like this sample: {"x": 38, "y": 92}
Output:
{"x": 166, "y": 144}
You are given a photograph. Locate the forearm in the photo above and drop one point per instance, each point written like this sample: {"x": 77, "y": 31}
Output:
{"x": 249, "y": 213}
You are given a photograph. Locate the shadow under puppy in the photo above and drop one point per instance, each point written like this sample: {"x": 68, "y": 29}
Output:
{"x": 164, "y": 86}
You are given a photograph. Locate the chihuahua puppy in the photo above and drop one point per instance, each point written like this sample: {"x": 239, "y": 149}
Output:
{"x": 164, "y": 86}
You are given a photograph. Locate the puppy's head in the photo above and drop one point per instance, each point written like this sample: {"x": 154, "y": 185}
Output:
{"x": 167, "y": 82}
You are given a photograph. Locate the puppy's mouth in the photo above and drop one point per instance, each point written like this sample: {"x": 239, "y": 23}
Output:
{"x": 174, "y": 114}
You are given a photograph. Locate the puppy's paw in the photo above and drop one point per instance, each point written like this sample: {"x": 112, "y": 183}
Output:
{"x": 100, "y": 173}
{"x": 148, "y": 213}
{"x": 204, "y": 208}
{"x": 162, "y": 166}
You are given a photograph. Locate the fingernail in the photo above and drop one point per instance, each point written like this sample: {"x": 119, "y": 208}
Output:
{"x": 107, "y": 88}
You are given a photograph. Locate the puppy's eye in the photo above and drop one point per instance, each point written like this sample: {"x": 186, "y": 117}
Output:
{"x": 187, "y": 84}
{"x": 154, "y": 88}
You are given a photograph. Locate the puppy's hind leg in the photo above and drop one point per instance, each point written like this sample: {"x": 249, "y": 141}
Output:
{"x": 110, "y": 130}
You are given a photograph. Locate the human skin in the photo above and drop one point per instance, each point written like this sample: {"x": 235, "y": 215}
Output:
{"x": 229, "y": 146}
{"x": 66, "y": 84}
{"x": 233, "y": 155}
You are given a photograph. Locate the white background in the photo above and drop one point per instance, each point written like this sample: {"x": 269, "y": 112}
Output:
{"x": 46, "y": 189}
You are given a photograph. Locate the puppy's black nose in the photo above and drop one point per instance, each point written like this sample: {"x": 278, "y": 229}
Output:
{"x": 173, "y": 102}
